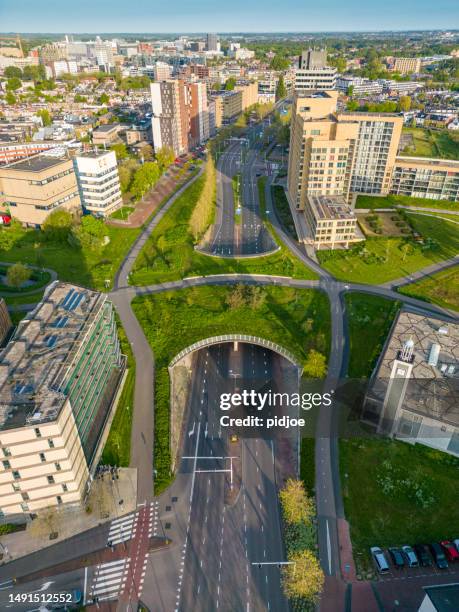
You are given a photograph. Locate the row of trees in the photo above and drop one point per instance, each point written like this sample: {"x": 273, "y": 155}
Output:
{"x": 139, "y": 178}
{"x": 203, "y": 212}
{"x": 303, "y": 578}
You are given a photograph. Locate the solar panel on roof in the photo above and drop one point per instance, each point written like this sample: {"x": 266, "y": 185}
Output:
{"x": 75, "y": 303}
{"x": 51, "y": 341}
{"x": 63, "y": 322}
{"x": 71, "y": 303}
{"x": 67, "y": 298}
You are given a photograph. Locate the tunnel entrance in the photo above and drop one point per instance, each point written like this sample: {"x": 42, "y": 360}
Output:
{"x": 208, "y": 371}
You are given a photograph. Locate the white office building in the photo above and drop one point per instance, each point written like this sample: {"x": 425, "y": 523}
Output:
{"x": 98, "y": 182}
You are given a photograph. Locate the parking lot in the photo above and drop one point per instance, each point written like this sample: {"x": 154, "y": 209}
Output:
{"x": 402, "y": 589}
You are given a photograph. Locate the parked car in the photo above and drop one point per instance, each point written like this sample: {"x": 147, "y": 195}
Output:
{"x": 379, "y": 559}
{"x": 456, "y": 544}
{"x": 397, "y": 557}
{"x": 438, "y": 555}
{"x": 450, "y": 550}
{"x": 422, "y": 552}
{"x": 410, "y": 556}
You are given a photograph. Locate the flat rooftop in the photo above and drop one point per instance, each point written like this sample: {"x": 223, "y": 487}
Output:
{"x": 107, "y": 127}
{"x": 435, "y": 359}
{"x": 34, "y": 364}
{"x": 330, "y": 207}
{"x": 35, "y": 163}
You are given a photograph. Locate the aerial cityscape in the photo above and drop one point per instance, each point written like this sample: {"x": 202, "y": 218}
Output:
{"x": 229, "y": 307}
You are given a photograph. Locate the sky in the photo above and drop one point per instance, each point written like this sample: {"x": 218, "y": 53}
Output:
{"x": 157, "y": 16}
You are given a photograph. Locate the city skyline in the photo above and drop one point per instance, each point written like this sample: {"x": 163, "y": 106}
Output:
{"x": 200, "y": 16}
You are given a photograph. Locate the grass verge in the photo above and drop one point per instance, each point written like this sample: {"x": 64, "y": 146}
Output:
{"x": 298, "y": 320}
{"x": 87, "y": 267}
{"x": 441, "y": 288}
{"x": 390, "y": 201}
{"x": 117, "y": 449}
{"x": 169, "y": 252}
{"x": 378, "y": 260}
{"x": 370, "y": 318}
{"x": 395, "y": 494}
{"x": 283, "y": 210}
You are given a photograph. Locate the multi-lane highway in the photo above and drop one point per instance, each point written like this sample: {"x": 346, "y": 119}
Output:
{"x": 238, "y": 229}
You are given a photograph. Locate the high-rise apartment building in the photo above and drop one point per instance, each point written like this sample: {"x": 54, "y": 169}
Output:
{"x": 313, "y": 73}
{"x": 212, "y": 43}
{"x": 103, "y": 52}
{"x": 169, "y": 122}
{"x": 198, "y": 114}
{"x": 59, "y": 376}
{"x": 34, "y": 187}
{"x": 5, "y": 321}
{"x": 98, "y": 182}
{"x": 375, "y": 150}
{"x": 339, "y": 153}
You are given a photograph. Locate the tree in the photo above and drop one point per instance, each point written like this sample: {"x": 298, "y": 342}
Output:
{"x": 304, "y": 578}
{"x": 79, "y": 98}
{"x": 120, "y": 150}
{"x": 230, "y": 84}
{"x": 104, "y": 99}
{"x": 297, "y": 507}
{"x": 144, "y": 178}
{"x": 338, "y": 62}
{"x": 350, "y": 91}
{"x": 126, "y": 172}
{"x": 10, "y": 97}
{"x": 45, "y": 117}
{"x": 279, "y": 63}
{"x": 404, "y": 103}
{"x": 164, "y": 157}
{"x": 12, "y": 71}
{"x": 58, "y": 225}
{"x": 281, "y": 90}
{"x": 315, "y": 365}
{"x": 146, "y": 152}
{"x": 236, "y": 298}
{"x": 13, "y": 84}
{"x": 17, "y": 275}
{"x": 34, "y": 73}
{"x": 89, "y": 234}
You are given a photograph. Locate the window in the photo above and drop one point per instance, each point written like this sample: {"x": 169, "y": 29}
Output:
{"x": 42, "y": 457}
{"x": 58, "y": 467}
{"x": 50, "y": 479}
{"x": 50, "y": 443}
{"x": 25, "y": 507}
{"x": 6, "y": 451}
{"x": 65, "y": 488}
{"x": 25, "y": 496}
{"x": 6, "y": 465}
{"x": 37, "y": 432}
{"x": 59, "y": 499}
{"x": 16, "y": 475}
{"x": 16, "y": 487}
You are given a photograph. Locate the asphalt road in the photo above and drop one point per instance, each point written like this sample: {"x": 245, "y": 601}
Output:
{"x": 226, "y": 541}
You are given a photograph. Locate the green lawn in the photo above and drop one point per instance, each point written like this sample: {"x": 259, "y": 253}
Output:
{"x": 370, "y": 318}
{"x": 39, "y": 278}
{"x": 117, "y": 449}
{"x": 371, "y": 202}
{"x": 396, "y": 494}
{"x": 122, "y": 213}
{"x": 432, "y": 143}
{"x": 298, "y": 320}
{"x": 16, "y": 300}
{"x": 441, "y": 288}
{"x": 378, "y": 260}
{"x": 83, "y": 267}
{"x": 169, "y": 253}
{"x": 283, "y": 210}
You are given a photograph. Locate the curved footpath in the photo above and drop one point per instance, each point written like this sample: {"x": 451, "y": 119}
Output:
{"x": 328, "y": 489}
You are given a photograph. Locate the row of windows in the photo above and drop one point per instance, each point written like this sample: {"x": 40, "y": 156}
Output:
{"x": 57, "y": 202}
{"x": 55, "y": 177}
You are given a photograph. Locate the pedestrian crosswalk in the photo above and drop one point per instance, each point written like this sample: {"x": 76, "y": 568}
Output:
{"x": 109, "y": 579}
{"x": 122, "y": 529}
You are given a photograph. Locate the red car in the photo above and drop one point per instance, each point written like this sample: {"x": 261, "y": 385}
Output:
{"x": 450, "y": 550}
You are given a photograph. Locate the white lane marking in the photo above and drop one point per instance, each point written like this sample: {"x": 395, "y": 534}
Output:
{"x": 329, "y": 549}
